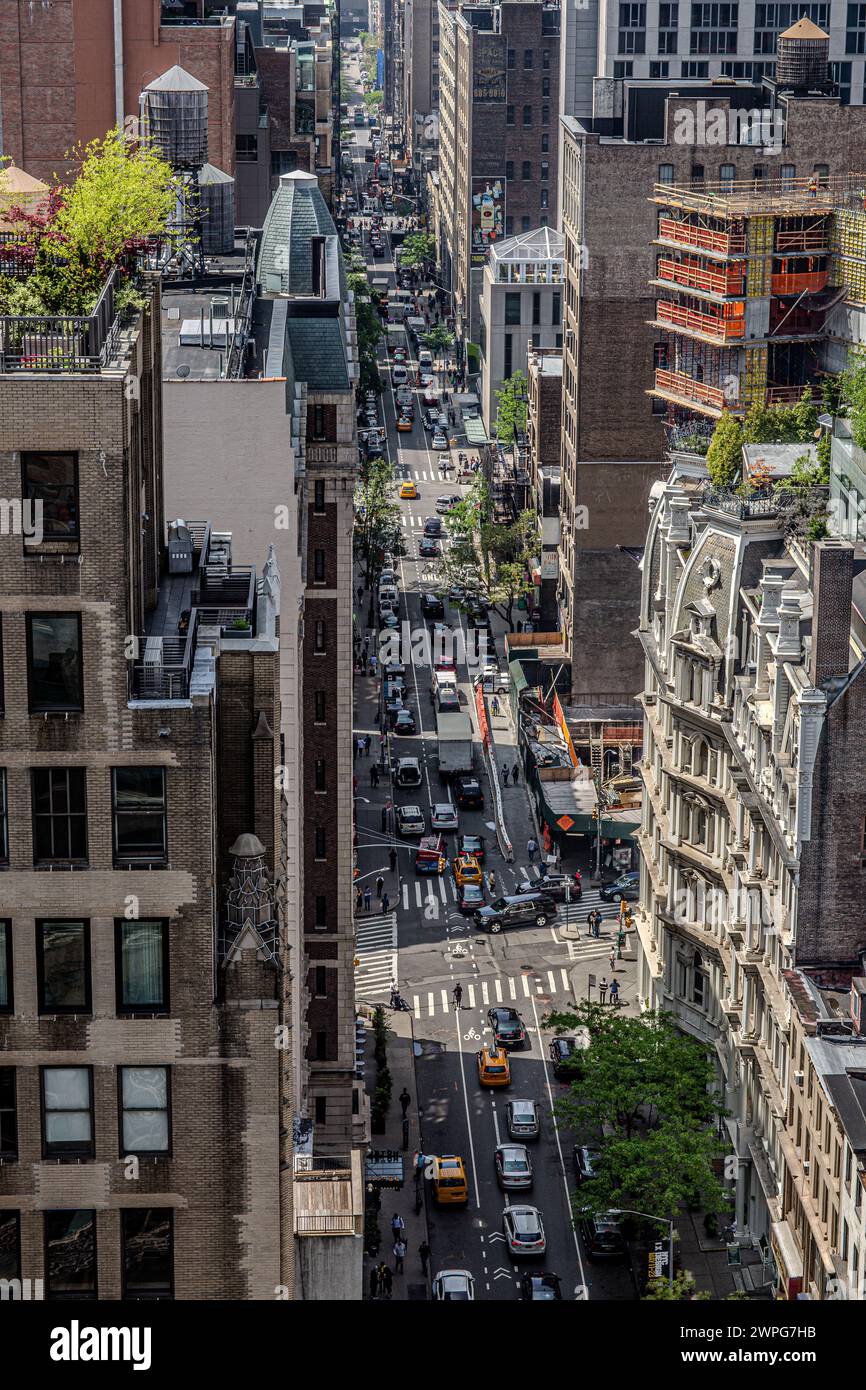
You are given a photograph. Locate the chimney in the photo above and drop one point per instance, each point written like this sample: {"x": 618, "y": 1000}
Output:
{"x": 788, "y": 646}
{"x": 832, "y": 579}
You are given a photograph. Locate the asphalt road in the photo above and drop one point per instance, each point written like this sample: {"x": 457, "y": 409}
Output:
{"x": 426, "y": 946}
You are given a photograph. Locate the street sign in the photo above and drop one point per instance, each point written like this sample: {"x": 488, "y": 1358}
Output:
{"x": 565, "y": 822}
{"x": 658, "y": 1261}
{"x": 590, "y": 982}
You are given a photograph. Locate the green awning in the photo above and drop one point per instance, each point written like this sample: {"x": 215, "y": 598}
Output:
{"x": 475, "y": 432}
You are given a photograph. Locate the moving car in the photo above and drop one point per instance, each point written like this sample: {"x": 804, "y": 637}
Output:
{"x": 404, "y": 722}
{"x": 408, "y": 491}
{"x": 626, "y": 887}
{"x": 448, "y": 1177}
{"x": 584, "y": 1161}
{"x": 540, "y": 1288}
{"x": 494, "y": 1069}
{"x": 453, "y": 1286}
{"x": 443, "y": 816}
{"x": 522, "y": 1119}
{"x": 560, "y": 887}
{"x": 470, "y": 896}
{"x": 433, "y": 526}
{"x": 404, "y": 424}
{"x": 438, "y": 442}
{"x": 410, "y": 821}
{"x": 466, "y": 870}
{"x": 472, "y": 844}
{"x": 603, "y": 1238}
{"x": 565, "y": 1054}
{"x": 448, "y": 702}
{"x": 429, "y": 548}
{"x": 378, "y": 249}
{"x": 407, "y": 772}
{"x": 513, "y": 1167}
{"x": 468, "y": 793}
{"x": 399, "y": 373}
{"x": 432, "y": 606}
{"x": 527, "y": 910}
{"x": 524, "y": 1232}
{"x": 446, "y": 503}
{"x": 400, "y": 354}
{"x": 507, "y": 1025}
{"x": 389, "y": 619}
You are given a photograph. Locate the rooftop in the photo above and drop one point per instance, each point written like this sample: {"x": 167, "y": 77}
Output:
{"x": 545, "y": 243}
{"x": 750, "y": 198}
{"x": 206, "y": 323}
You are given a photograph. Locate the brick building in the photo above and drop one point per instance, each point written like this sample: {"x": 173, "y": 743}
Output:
{"x": 543, "y": 426}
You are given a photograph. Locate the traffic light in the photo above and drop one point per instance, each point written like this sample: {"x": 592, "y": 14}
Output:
{"x": 595, "y": 813}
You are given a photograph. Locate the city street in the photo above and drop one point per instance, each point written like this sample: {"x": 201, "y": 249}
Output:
{"x": 426, "y": 946}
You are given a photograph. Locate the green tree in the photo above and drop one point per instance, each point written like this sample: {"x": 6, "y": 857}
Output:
{"x": 724, "y": 456}
{"x": 377, "y": 517}
{"x": 854, "y": 395}
{"x": 511, "y": 408}
{"x": 373, "y": 100}
{"x": 683, "y": 1290}
{"x": 488, "y": 561}
{"x": 418, "y": 248}
{"x": 439, "y": 339}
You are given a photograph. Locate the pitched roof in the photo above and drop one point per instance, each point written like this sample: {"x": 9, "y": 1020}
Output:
{"x": 318, "y": 353}
{"x": 804, "y": 29}
{"x": 542, "y": 244}
{"x": 298, "y": 213}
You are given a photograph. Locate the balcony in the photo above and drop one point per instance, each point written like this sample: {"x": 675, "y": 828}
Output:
{"x": 711, "y": 326}
{"x": 677, "y": 386}
{"x": 687, "y": 234}
{"x": 695, "y": 276}
{"x": 62, "y": 342}
{"x": 807, "y": 283}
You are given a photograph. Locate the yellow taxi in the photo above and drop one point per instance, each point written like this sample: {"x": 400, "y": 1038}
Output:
{"x": 467, "y": 870}
{"x": 450, "y": 1187}
{"x": 404, "y": 426}
{"x": 493, "y": 1067}
{"x": 408, "y": 492}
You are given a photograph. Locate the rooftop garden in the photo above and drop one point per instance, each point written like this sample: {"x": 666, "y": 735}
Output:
{"x": 57, "y": 258}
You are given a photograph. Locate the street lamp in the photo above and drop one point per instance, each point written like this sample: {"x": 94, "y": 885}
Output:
{"x": 664, "y": 1221}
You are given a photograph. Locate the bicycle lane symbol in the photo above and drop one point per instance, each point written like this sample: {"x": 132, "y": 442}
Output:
{"x": 472, "y": 1036}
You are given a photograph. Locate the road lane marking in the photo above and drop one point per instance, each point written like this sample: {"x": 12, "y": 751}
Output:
{"x": 525, "y": 986}
{"x": 417, "y": 893}
{"x": 472, "y": 996}
{"x": 416, "y": 1006}
{"x": 484, "y": 994}
{"x": 430, "y": 1006}
{"x": 442, "y": 889}
{"x": 498, "y": 987}
{"x": 445, "y": 999}
{"x": 552, "y": 981}
{"x": 512, "y": 989}
{"x": 566, "y": 983}
{"x": 406, "y": 897}
{"x": 466, "y": 1108}
{"x": 523, "y": 873}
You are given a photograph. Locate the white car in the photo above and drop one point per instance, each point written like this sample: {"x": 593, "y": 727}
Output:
{"x": 399, "y": 374}
{"x": 524, "y": 1232}
{"x": 446, "y": 502}
{"x": 439, "y": 442}
{"x": 454, "y": 1285}
{"x": 443, "y": 816}
{"x": 407, "y": 773}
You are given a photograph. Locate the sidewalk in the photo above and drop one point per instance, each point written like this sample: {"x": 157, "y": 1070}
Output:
{"x": 412, "y": 1285}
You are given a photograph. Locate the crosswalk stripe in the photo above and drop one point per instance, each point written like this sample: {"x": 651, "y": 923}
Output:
{"x": 498, "y": 987}
{"x": 472, "y": 996}
{"x": 523, "y": 873}
{"x": 453, "y": 887}
{"x": 484, "y": 995}
{"x": 539, "y": 987}
{"x": 551, "y": 981}
{"x": 566, "y": 984}
{"x": 445, "y": 999}
{"x": 417, "y": 893}
{"x": 376, "y": 951}
{"x": 525, "y": 986}
{"x": 512, "y": 989}
{"x": 430, "y": 1006}
{"x": 536, "y": 870}
{"x": 406, "y": 897}
{"x": 442, "y": 889}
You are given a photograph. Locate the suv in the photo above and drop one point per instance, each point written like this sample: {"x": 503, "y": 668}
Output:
{"x": 407, "y": 773}
{"x": 626, "y": 888}
{"x": 468, "y": 793}
{"x": 529, "y": 909}
{"x": 410, "y": 820}
{"x": 556, "y": 886}
{"x": 507, "y": 1025}
{"x": 433, "y": 526}
{"x": 432, "y": 606}
{"x": 564, "y": 1053}
{"x": 603, "y": 1238}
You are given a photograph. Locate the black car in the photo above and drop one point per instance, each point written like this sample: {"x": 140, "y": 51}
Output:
{"x": 404, "y": 722}
{"x": 584, "y": 1161}
{"x": 556, "y": 886}
{"x": 432, "y": 606}
{"x": 540, "y": 1288}
{"x": 429, "y": 548}
{"x": 626, "y": 887}
{"x": 433, "y": 526}
{"x": 527, "y": 910}
{"x": 468, "y": 794}
{"x": 507, "y": 1025}
{"x": 448, "y": 702}
{"x": 471, "y": 844}
{"x": 603, "y": 1238}
{"x": 564, "y": 1053}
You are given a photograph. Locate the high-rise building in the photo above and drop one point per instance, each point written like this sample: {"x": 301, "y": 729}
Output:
{"x": 420, "y": 79}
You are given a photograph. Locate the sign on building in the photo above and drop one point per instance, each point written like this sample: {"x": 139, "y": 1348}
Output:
{"x": 488, "y": 216}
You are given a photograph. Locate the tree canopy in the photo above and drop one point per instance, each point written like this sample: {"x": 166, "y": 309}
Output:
{"x": 511, "y": 408}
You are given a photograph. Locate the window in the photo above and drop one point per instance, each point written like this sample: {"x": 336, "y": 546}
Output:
{"x": 321, "y": 1046}
{"x": 318, "y": 566}
{"x": 508, "y": 356}
{"x": 527, "y": 115}
{"x": 319, "y": 496}
{"x": 10, "y": 1245}
{"x": 321, "y": 910}
{"x": 695, "y": 70}
{"x": 855, "y": 37}
{"x": 545, "y": 115}
{"x": 700, "y": 987}
{"x": 321, "y": 843}
{"x": 318, "y": 422}
{"x": 545, "y": 86}
{"x": 621, "y": 70}
{"x": 320, "y": 775}
{"x": 658, "y": 70}
{"x": 54, "y": 662}
{"x": 509, "y": 228}
{"x": 727, "y": 174}
{"x": 141, "y": 966}
{"x": 6, "y": 997}
{"x": 246, "y": 149}
{"x": 321, "y": 1109}
{"x": 59, "y": 814}
{"x": 509, "y": 115}
{"x": 697, "y": 173}
{"x": 669, "y": 16}
{"x": 511, "y": 58}
{"x": 140, "y": 815}
{"x": 63, "y": 966}
{"x": 67, "y": 1112}
{"x": 822, "y": 172}
{"x": 667, "y": 41}
{"x": 147, "y": 1234}
{"x": 70, "y": 1254}
{"x": 660, "y": 356}
{"x": 545, "y": 170}
{"x": 632, "y": 41}
{"x": 632, "y": 16}
{"x": 319, "y": 636}
{"x": 320, "y": 707}
{"x": 545, "y": 196}
{"x": 509, "y": 168}
{"x": 545, "y": 58}
{"x": 2, "y": 700}
{"x": 321, "y": 982}
{"x": 527, "y": 59}
{"x": 526, "y": 170}
{"x": 545, "y": 144}
{"x": 49, "y": 484}
{"x": 666, "y": 173}
{"x": 144, "y": 1110}
{"x": 536, "y": 307}
{"x": 841, "y": 75}
{"x": 759, "y": 173}
{"x": 512, "y": 307}
{"x": 4, "y": 819}
{"x": 556, "y": 307}
{"x": 788, "y": 173}
{"x": 8, "y": 1120}
{"x": 542, "y": 222}
{"x": 524, "y": 223}
{"x": 682, "y": 977}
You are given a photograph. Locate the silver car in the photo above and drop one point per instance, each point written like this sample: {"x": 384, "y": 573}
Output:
{"x": 443, "y": 816}
{"x": 513, "y": 1167}
{"x": 453, "y": 1285}
{"x": 521, "y": 1119}
{"x": 524, "y": 1232}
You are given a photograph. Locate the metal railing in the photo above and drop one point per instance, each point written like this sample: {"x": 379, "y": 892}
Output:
{"x": 713, "y": 326}
{"x": 685, "y": 387}
{"x": 687, "y": 234}
{"x": 61, "y": 342}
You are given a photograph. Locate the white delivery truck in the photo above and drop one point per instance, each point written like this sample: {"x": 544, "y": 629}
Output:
{"x": 454, "y": 739}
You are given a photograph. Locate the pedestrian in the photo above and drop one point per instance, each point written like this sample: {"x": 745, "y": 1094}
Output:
{"x": 373, "y": 664}
{"x": 399, "y": 1255}
{"x": 614, "y": 992}
{"x": 505, "y": 773}
{"x": 491, "y": 881}
{"x": 424, "y": 1252}
{"x": 380, "y": 886}
{"x": 531, "y": 849}
{"x": 458, "y": 995}
{"x": 374, "y": 1282}
{"x": 398, "y": 1226}
{"x": 368, "y": 898}
{"x": 387, "y": 1280}
{"x": 392, "y": 860}
{"x": 395, "y": 996}
{"x": 612, "y": 959}
{"x": 367, "y": 742}
{"x": 590, "y": 920}
{"x": 386, "y": 902}
{"x": 515, "y": 773}
{"x": 494, "y": 705}
{"x": 405, "y": 1101}
{"x": 360, "y": 593}
{"x": 360, "y": 747}
{"x": 602, "y": 990}
{"x": 374, "y": 776}
{"x": 359, "y": 900}
{"x": 384, "y": 817}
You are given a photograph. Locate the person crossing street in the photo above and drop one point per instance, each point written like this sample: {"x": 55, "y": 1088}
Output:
{"x": 458, "y": 995}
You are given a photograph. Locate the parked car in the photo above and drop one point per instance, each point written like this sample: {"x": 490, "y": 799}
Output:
{"x": 468, "y": 793}
{"x": 443, "y": 816}
{"x": 540, "y": 1288}
{"x": 627, "y": 887}
{"x": 532, "y": 909}
{"x": 584, "y": 1161}
{"x": 513, "y": 1167}
{"x": 404, "y": 722}
{"x": 603, "y": 1238}
{"x": 522, "y": 1119}
{"x": 565, "y": 1054}
{"x": 407, "y": 772}
{"x": 453, "y": 1286}
{"x": 410, "y": 821}
{"x": 446, "y": 503}
{"x": 524, "y": 1232}
{"x": 432, "y": 606}
{"x": 507, "y": 1025}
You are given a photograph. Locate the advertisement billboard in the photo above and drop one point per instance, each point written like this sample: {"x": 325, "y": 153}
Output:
{"x": 488, "y": 216}
{"x": 488, "y": 83}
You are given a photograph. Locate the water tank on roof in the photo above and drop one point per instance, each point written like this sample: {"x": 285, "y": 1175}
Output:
{"x": 217, "y": 209}
{"x": 803, "y": 57}
{"x": 174, "y": 113}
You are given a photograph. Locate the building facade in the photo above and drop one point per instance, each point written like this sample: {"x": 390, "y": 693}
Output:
{"x": 543, "y": 431}
{"x": 521, "y": 308}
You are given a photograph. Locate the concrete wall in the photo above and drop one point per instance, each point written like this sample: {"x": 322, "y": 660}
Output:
{"x": 496, "y": 330}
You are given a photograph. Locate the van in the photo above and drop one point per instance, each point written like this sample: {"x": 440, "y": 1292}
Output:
{"x": 425, "y": 358}
{"x": 450, "y": 1187}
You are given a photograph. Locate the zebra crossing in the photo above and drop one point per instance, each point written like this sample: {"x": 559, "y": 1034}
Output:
{"x": 497, "y": 989}
{"x": 376, "y": 954}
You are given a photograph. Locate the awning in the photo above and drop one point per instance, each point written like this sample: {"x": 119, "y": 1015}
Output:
{"x": 384, "y": 1168}
{"x": 475, "y": 432}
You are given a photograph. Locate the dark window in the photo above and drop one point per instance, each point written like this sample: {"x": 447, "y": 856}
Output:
{"x": 70, "y": 1254}
{"x": 728, "y": 173}
{"x": 621, "y": 70}
{"x": 140, "y": 815}
{"x": 246, "y": 149}
{"x": 545, "y": 144}
{"x": 318, "y": 422}
{"x": 669, "y": 15}
{"x": 49, "y": 483}
{"x": 697, "y": 173}
{"x": 658, "y": 70}
{"x": 54, "y": 662}
{"x": 556, "y": 309}
{"x": 536, "y": 307}
{"x": 527, "y": 59}
{"x": 632, "y": 41}
{"x": 10, "y": 1245}
{"x": 319, "y": 636}
{"x": 667, "y": 41}
{"x": 632, "y": 16}
{"x": 511, "y": 58}
{"x": 141, "y": 966}
{"x": 63, "y": 966}
{"x": 320, "y": 775}
{"x": 320, "y": 707}
{"x": 509, "y": 168}
{"x": 787, "y": 172}
{"x": 148, "y": 1239}
{"x": 666, "y": 173}
{"x": 545, "y": 86}
{"x": 660, "y": 356}
{"x": 318, "y": 566}
{"x": 512, "y": 307}
{"x": 321, "y": 1109}
{"x": 509, "y": 228}
{"x": 321, "y": 981}
{"x": 321, "y": 1046}
{"x": 545, "y": 115}
{"x": 526, "y": 170}
{"x": 321, "y": 910}
{"x": 59, "y": 814}
{"x": 545, "y": 57}
{"x": 841, "y": 75}
{"x": 545, "y": 170}
{"x": 527, "y": 115}
{"x": 145, "y": 1124}
{"x": 695, "y": 69}
{"x": 67, "y": 1112}
{"x": 319, "y": 495}
{"x": 508, "y": 355}
{"x": 4, "y": 819}
{"x": 2, "y": 683}
{"x": 321, "y": 843}
{"x": 7, "y": 1001}
{"x": 524, "y": 223}
{"x": 759, "y": 173}
{"x": 509, "y": 115}
{"x": 822, "y": 172}
{"x": 8, "y": 1120}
